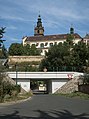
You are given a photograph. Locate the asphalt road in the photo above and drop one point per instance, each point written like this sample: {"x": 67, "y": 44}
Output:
{"x": 47, "y": 107}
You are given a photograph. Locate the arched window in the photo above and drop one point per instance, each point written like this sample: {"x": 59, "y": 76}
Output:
{"x": 51, "y": 44}
{"x": 42, "y": 45}
{"x": 38, "y": 31}
{"x": 46, "y": 43}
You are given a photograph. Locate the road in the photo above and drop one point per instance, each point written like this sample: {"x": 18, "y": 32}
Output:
{"x": 47, "y": 107}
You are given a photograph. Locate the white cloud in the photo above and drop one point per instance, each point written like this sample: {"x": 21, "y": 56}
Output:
{"x": 20, "y": 15}
{"x": 63, "y": 10}
{"x": 11, "y": 27}
{"x": 15, "y": 18}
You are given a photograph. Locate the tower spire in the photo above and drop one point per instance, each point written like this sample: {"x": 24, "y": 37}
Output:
{"x": 71, "y": 29}
{"x": 39, "y": 29}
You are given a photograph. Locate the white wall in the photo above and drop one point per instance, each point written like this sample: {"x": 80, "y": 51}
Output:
{"x": 25, "y": 84}
{"x": 42, "y": 75}
{"x": 56, "y": 84}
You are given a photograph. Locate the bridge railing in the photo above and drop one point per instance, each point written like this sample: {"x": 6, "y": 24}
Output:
{"x": 44, "y": 75}
{"x": 67, "y": 68}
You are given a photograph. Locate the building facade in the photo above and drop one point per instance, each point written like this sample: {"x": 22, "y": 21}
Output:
{"x": 44, "y": 42}
{"x": 86, "y": 39}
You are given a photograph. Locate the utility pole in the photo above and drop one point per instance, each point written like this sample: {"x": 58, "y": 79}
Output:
{"x": 16, "y": 72}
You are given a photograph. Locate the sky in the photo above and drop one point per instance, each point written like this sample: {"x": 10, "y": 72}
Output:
{"x": 20, "y": 17}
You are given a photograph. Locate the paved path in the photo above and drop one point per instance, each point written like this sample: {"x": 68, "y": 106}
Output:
{"x": 47, "y": 107}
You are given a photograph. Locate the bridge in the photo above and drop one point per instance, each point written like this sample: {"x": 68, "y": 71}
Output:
{"x": 54, "y": 80}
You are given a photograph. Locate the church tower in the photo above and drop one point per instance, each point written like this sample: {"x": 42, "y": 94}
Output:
{"x": 39, "y": 29}
{"x": 71, "y": 30}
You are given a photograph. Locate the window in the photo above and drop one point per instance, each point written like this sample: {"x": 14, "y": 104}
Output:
{"x": 42, "y": 45}
{"x": 38, "y": 31}
{"x": 55, "y": 43}
{"x": 37, "y": 44}
{"x": 51, "y": 44}
{"x": 46, "y": 44}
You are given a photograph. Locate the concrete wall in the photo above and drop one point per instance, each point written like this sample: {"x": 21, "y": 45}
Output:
{"x": 53, "y": 85}
{"x": 25, "y": 84}
{"x": 56, "y": 84}
{"x": 55, "y": 79}
{"x": 19, "y": 59}
{"x": 42, "y": 75}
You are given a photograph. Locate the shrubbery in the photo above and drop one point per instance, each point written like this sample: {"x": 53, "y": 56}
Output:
{"x": 18, "y": 49}
{"x": 67, "y": 56}
{"x": 6, "y": 88}
{"x": 25, "y": 66}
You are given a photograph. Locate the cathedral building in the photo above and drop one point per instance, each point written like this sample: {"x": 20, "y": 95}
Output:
{"x": 44, "y": 42}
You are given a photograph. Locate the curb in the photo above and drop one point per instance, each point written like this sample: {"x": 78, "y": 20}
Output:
{"x": 15, "y": 102}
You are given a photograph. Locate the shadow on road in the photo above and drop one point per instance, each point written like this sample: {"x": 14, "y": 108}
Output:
{"x": 65, "y": 114}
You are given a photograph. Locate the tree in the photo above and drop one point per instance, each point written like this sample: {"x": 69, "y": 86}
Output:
{"x": 6, "y": 88}
{"x": 34, "y": 51}
{"x": 66, "y": 56}
{"x": 16, "y": 49}
{"x": 3, "y": 51}
{"x": 26, "y": 50}
{"x": 80, "y": 55}
{"x": 56, "y": 57}
{"x": 2, "y": 31}
{"x": 70, "y": 38}
{"x": 19, "y": 49}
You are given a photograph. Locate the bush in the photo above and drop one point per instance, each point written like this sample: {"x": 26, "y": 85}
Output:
{"x": 6, "y": 88}
{"x": 17, "y": 88}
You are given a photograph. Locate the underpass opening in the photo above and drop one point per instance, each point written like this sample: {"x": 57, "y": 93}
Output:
{"x": 40, "y": 86}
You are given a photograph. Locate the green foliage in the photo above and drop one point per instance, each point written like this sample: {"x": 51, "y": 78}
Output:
{"x": 26, "y": 66}
{"x": 57, "y": 56}
{"x": 76, "y": 95}
{"x": 2, "y": 31}
{"x": 25, "y": 95}
{"x": 27, "y": 50}
{"x": 80, "y": 53}
{"x": 6, "y": 88}
{"x": 2, "y": 68}
{"x": 19, "y": 49}
{"x": 3, "y": 51}
{"x": 66, "y": 57}
{"x": 3, "y": 88}
{"x": 85, "y": 79}
{"x": 17, "y": 88}
{"x": 70, "y": 38}
{"x": 16, "y": 49}
{"x": 34, "y": 51}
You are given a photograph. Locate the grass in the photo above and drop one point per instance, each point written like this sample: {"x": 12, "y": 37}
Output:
{"x": 24, "y": 96}
{"x": 17, "y": 98}
{"x": 76, "y": 95}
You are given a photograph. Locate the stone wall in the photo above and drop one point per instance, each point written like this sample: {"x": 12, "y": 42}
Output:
{"x": 19, "y": 59}
{"x": 70, "y": 86}
{"x": 8, "y": 79}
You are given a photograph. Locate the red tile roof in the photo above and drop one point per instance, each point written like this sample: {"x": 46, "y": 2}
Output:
{"x": 51, "y": 37}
